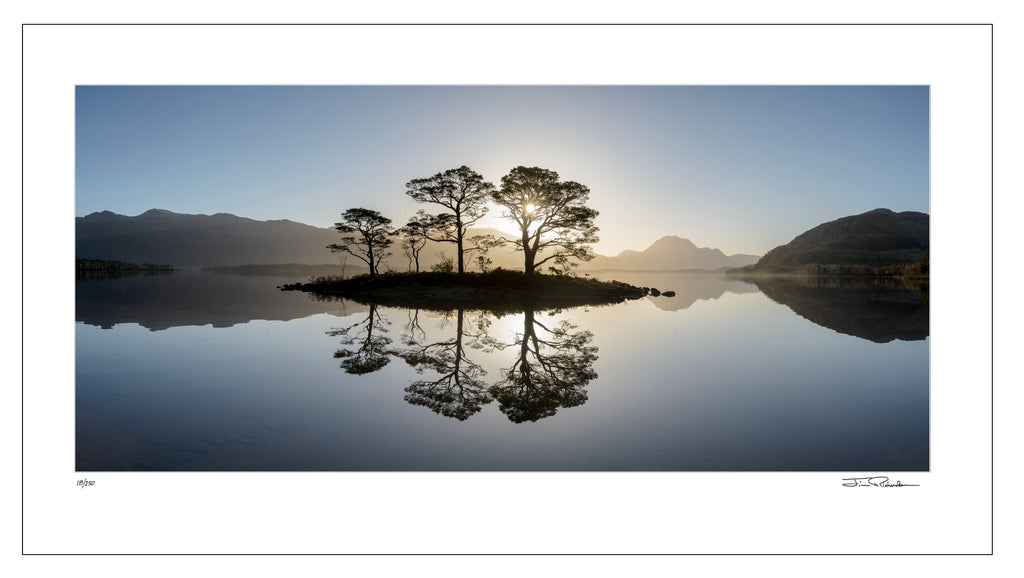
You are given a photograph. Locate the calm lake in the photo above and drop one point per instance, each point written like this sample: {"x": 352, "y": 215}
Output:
{"x": 214, "y": 371}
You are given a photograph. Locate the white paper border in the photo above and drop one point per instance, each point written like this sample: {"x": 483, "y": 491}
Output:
{"x": 515, "y": 513}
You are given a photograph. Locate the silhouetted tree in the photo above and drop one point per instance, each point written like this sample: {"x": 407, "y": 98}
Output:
{"x": 465, "y": 194}
{"x": 372, "y": 351}
{"x": 445, "y": 264}
{"x": 459, "y": 391}
{"x": 414, "y": 235}
{"x": 373, "y": 239}
{"x": 552, "y": 216}
{"x": 483, "y": 263}
{"x": 549, "y": 373}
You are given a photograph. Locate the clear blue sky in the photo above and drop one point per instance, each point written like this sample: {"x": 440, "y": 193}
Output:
{"x": 739, "y": 168}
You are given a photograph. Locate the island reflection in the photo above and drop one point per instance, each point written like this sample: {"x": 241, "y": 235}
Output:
{"x": 877, "y": 309}
{"x": 544, "y": 367}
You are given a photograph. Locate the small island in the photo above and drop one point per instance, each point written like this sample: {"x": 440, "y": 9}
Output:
{"x": 494, "y": 290}
{"x": 117, "y": 266}
{"x": 555, "y": 228}
{"x": 99, "y": 269}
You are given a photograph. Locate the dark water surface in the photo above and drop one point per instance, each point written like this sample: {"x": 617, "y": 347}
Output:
{"x": 208, "y": 371}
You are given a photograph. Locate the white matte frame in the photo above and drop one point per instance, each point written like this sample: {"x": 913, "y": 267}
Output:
{"x": 649, "y": 513}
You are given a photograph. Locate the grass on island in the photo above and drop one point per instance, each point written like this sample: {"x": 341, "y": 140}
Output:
{"x": 497, "y": 288}
{"x": 497, "y": 279}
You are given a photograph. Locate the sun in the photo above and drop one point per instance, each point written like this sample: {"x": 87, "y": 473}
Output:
{"x": 507, "y": 224}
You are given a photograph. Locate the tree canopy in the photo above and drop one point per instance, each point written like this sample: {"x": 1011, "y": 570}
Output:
{"x": 414, "y": 237}
{"x": 465, "y": 194}
{"x": 554, "y": 220}
{"x": 373, "y": 239}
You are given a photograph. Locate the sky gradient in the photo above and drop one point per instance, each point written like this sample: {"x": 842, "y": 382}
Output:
{"x": 743, "y": 169}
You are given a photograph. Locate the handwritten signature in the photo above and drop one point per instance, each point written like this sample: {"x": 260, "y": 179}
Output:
{"x": 879, "y": 481}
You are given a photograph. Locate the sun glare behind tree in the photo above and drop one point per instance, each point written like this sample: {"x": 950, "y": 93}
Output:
{"x": 553, "y": 220}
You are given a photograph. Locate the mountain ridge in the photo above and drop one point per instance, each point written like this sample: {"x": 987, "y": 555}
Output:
{"x": 188, "y": 240}
{"x": 194, "y": 241}
{"x": 671, "y": 253}
{"x": 877, "y": 238}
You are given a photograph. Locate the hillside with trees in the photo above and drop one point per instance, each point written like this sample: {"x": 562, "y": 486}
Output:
{"x": 878, "y": 241}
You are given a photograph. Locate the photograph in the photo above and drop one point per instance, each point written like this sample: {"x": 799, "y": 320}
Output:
{"x": 440, "y": 292}
{"x": 502, "y": 278}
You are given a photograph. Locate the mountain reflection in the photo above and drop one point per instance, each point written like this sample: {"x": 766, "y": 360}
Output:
{"x": 689, "y": 287}
{"x": 544, "y": 368}
{"x": 159, "y": 301}
{"x": 879, "y": 310}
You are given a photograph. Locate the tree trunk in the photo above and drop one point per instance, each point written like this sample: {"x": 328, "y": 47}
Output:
{"x": 458, "y": 245}
{"x": 530, "y": 256}
{"x": 459, "y": 232}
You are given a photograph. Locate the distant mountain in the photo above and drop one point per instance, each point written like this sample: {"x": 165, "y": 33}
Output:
{"x": 223, "y": 240}
{"x": 877, "y": 238}
{"x": 195, "y": 241}
{"x": 671, "y": 254}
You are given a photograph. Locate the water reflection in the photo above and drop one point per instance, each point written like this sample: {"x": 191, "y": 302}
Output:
{"x": 551, "y": 370}
{"x": 369, "y": 336}
{"x": 689, "y": 287}
{"x": 732, "y": 383}
{"x": 879, "y": 310}
{"x": 459, "y": 391}
{"x": 159, "y": 301}
{"x": 543, "y": 369}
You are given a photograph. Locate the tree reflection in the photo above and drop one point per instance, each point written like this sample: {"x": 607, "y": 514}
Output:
{"x": 372, "y": 351}
{"x": 551, "y": 366}
{"x": 551, "y": 370}
{"x": 460, "y": 391}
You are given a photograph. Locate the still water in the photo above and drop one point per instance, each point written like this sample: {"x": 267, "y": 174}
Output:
{"x": 214, "y": 371}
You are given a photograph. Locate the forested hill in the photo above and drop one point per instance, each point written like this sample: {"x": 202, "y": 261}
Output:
{"x": 876, "y": 239}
